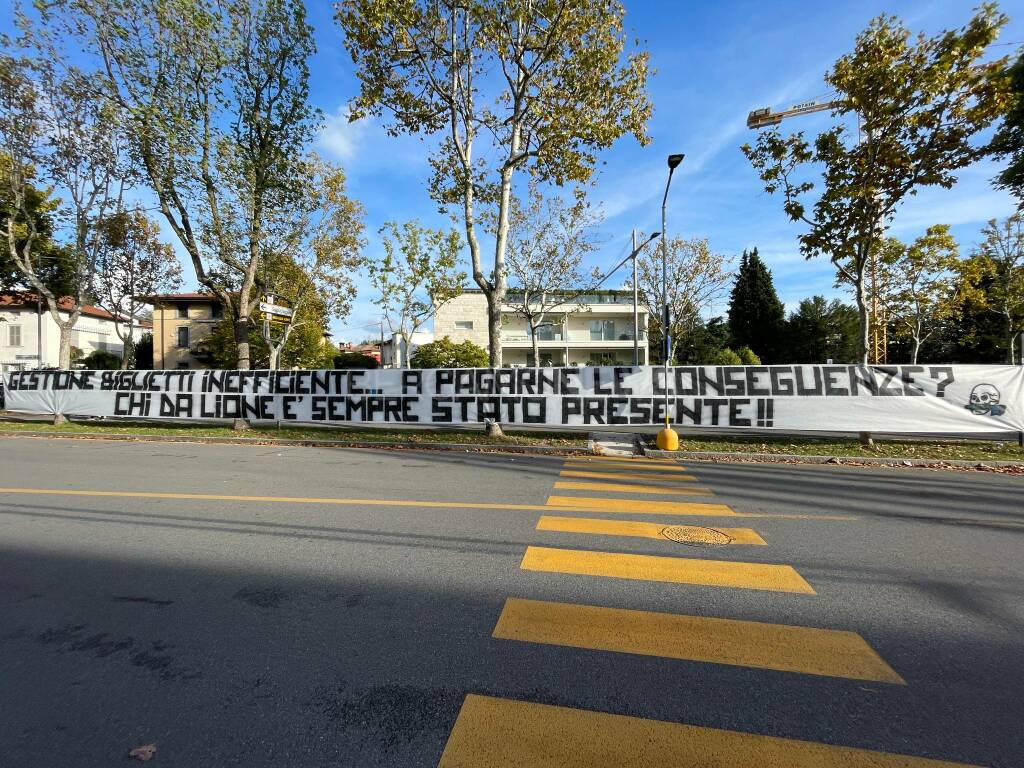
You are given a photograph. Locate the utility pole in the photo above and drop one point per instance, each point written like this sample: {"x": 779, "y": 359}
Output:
{"x": 636, "y": 313}
{"x": 765, "y": 117}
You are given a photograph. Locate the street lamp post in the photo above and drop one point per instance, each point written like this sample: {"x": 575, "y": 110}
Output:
{"x": 667, "y": 439}
{"x": 636, "y": 312}
{"x": 636, "y": 295}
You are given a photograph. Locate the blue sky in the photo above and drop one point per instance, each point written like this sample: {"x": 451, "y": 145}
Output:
{"x": 713, "y": 62}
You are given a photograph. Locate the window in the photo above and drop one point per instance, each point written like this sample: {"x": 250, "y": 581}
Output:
{"x": 463, "y": 325}
{"x": 549, "y": 333}
{"x": 14, "y": 336}
{"x": 183, "y": 310}
{"x": 183, "y": 337}
{"x": 602, "y": 330}
{"x": 217, "y": 311}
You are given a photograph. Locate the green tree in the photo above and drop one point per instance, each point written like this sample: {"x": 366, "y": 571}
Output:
{"x": 100, "y": 360}
{"x": 310, "y": 253}
{"x": 345, "y": 360}
{"x": 704, "y": 344}
{"x": 215, "y": 98}
{"x": 132, "y": 263}
{"x": 58, "y": 130}
{"x": 918, "y": 103}
{"x": 726, "y": 357}
{"x": 997, "y": 266}
{"x": 306, "y": 347}
{"x": 747, "y": 356}
{"x": 921, "y": 284}
{"x": 1008, "y": 140}
{"x": 508, "y": 86}
{"x": 53, "y": 263}
{"x": 974, "y": 335}
{"x": 445, "y": 353}
{"x": 144, "y": 352}
{"x": 417, "y": 276}
{"x": 822, "y": 330}
{"x": 757, "y": 319}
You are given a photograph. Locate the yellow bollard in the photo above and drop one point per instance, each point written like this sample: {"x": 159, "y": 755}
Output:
{"x": 668, "y": 440}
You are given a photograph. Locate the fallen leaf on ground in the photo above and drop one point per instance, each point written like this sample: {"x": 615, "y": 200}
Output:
{"x": 144, "y": 753}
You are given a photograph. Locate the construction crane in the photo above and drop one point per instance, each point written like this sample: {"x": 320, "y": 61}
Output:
{"x": 764, "y": 117}
{"x": 761, "y": 118}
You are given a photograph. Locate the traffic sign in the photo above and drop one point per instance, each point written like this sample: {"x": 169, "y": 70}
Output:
{"x": 275, "y": 309}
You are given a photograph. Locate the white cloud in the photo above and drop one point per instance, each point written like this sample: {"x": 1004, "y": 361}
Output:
{"x": 341, "y": 138}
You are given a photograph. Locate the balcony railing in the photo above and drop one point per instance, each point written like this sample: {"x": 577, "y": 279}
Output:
{"x": 525, "y": 336}
{"x": 572, "y": 336}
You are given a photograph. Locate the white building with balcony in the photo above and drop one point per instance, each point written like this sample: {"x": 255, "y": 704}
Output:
{"x": 592, "y": 329}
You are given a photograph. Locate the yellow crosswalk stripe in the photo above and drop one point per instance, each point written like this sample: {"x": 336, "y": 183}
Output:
{"x": 502, "y": 733}
{"x": 807, "y": 650}
{"x": 632, "y": 506}
{"x": 631, "y": 528}
{"x": 645, "y": 466}
{"x": 620, "y": 475}
{"x": 626, "y": 488}
{"x": 676, "y": 570}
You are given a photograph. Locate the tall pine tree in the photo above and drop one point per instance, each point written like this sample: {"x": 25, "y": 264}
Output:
{"x": 757, "y": 318}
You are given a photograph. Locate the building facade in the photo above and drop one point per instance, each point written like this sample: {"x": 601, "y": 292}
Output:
{"x": 592, "y": 329}
{"x": 29, "y": 337}
{"x": 181, "y": 323}
{"x": 398, "y": 345}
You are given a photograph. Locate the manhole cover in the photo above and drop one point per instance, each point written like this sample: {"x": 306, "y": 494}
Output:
{"x": 695, "y": 534}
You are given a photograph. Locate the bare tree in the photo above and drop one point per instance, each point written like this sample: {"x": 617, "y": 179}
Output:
{"x": 696, "y": 278}
{"x": 548, "y": 241}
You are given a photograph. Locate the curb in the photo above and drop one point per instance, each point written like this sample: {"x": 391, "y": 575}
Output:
{"x": 540, "y": 450}
{"x": 849, "y": 460}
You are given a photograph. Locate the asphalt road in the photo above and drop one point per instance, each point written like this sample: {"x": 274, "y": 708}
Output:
{"x": 306, "y": 626}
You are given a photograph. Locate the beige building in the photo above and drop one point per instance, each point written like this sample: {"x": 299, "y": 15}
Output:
{"x": 595, "y": 328}
{"x": 181, "y": 321}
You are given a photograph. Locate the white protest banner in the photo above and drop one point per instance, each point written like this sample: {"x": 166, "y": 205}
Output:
{"x": 903, "y": 398}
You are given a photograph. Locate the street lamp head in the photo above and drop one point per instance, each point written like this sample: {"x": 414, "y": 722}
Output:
{"x": 674, "y": 161}
{"x": 654, "y": 236}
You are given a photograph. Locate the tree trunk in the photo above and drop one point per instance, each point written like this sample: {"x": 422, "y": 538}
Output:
{"x": 275, "y": 357}
{"x": 128, "y": 354}
{"x": 494, "y": 301}
{"x": 242, "y": 342}
{"x": 864, "y": 338}
{"x": 1010, "y": 357}
{"x": 916, "y": 349}
{"x": 536, "y": 347}
{"x": 400, "y": 350}
{"x": 64, "y": 356}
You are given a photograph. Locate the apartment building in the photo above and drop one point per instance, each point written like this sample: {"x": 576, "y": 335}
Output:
{"x": 592, "y": 329}
{"x": 181, "y": 322}
{"x": 29, "y": 337}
